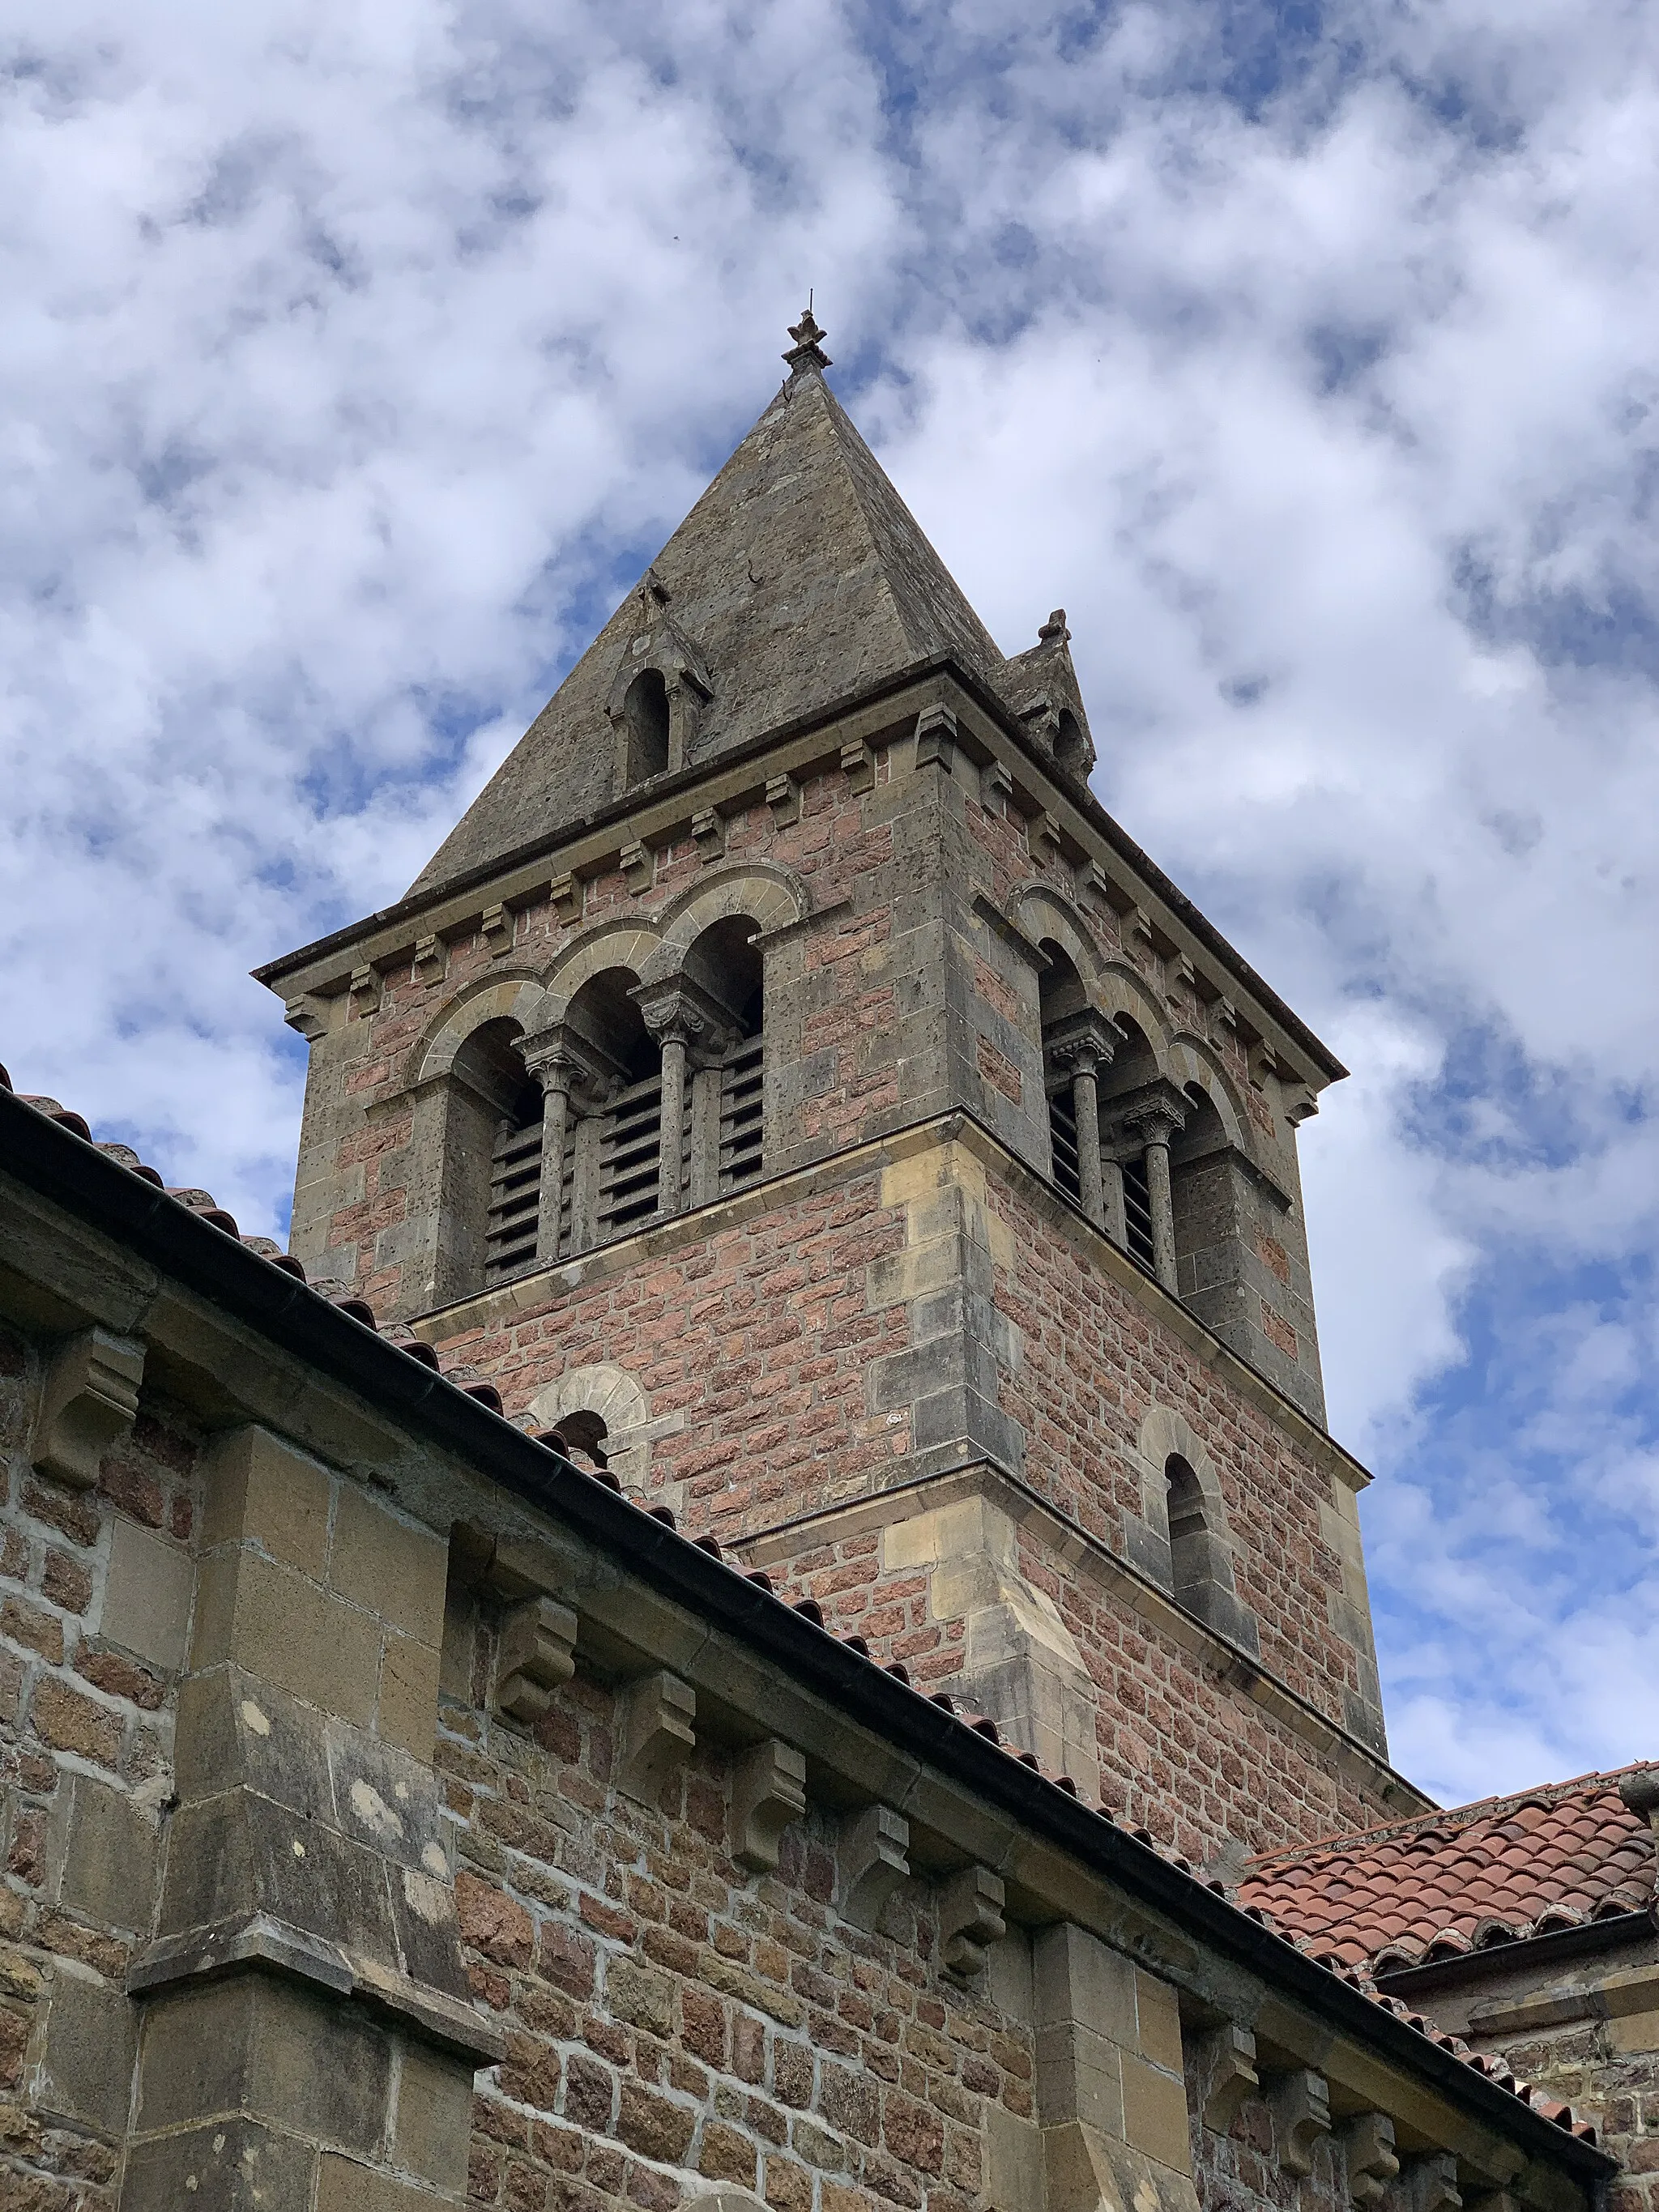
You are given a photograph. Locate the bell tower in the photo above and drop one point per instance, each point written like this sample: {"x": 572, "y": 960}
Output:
{"x": 788, "y": 1082}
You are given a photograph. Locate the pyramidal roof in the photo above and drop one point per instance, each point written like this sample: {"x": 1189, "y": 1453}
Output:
{"x": 799, "y": 579}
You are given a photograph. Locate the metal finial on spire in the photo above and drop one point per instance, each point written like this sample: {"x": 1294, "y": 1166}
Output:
{"x": 806, "y": 352}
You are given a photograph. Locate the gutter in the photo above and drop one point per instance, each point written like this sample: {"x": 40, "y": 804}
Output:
{"x": 72, "y": 1174}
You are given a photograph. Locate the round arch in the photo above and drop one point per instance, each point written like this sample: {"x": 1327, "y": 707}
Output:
{"x": 1191, "y": 1062}
{"x": 626, "y": 943}
{"x": 617, "y": 1397}
{"x": 758, "y": 892}
{"x": 1038, "y": 911}
{"x": 517, "y": 999}
{"x": 1164, "y": 1435}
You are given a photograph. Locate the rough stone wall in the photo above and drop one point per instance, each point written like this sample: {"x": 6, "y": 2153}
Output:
{"x": 825, "y": 1381}
{"x": 664, "y": 2007}
{"x": 1591, "y": 2062}
{"x": 902, "y": 1001}
{"x": 94, "y": 1592}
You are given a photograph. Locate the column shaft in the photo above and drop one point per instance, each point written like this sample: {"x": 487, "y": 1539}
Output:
{"x": 1085, "y": 1107}
{"x": 556, "y": 1110}
{"x": 1113, "y": 1220}
{"x": 1162, "y": 1206}
{"x": 674, "y": 1122}
{"x": 705, "y": 1135}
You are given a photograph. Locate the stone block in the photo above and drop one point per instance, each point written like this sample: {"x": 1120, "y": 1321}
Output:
{"x": 258, "y": 2045}
{"x": 435, "y": 2117}
{"x": 234, "y": 1731}
{"x": 1077, "y": 1978}
{"x": 1012, "y": 2150}
{"x": 146, "y": 1595}
{"x": 229, "y": 2166}
{"x": 343, "y": 2185}
{"x": 108, "y": 1855}
{"x": 270, "y": 1621}
{"x": 261, "y": 1490}
{"x": 1155, "y": 2114}
{"x": 393, "y": 1569}
{"x": 408, "y": 1707}
{"x": 1158, "y": 2016}
{"x": 87, "y": 2055}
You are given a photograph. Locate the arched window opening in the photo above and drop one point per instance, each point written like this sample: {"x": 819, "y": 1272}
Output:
{"x": 1192, "y": 1544}
{"x": 1200, "y": 1193}
{"x": 584, "y": 1434}
{"x": 727, "y": 1131}
{"x": 494, "y": 1166}
{"x": 1071, "y": 747}
{"x": 1062, "y": 1000}
{"x": 645, "y": 710}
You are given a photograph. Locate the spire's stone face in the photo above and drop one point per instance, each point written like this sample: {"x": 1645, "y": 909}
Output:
{"x": 799, "y": 578}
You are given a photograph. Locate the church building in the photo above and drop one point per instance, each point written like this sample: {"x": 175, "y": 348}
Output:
{"x": 760, "y": 1612}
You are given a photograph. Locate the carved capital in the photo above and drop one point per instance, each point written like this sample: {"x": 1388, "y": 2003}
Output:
{"x": 559, "y": 1060}
{"x": 537, "y": 1651}
{"x": 1372, "y": 2164}
{"x": 768, "y": 1790}
{"x": 657, "y": 1735}
{"x": 970, "y": 1920}
{"x": 1148, "y": 1116}
{"x": 874, "y": 1859}
{"x": 677, "y": 1011}
{"x": 1230, "y": 2078}
{"x": 1082, "y": 1042}
{"x": 1301, "y": 2115}
{"x": 89, "y": 1398}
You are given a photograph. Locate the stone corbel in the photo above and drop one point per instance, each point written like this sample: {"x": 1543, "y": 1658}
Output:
{"x": 936, "y": 739}
{"x": 874, "y": 1859}
{"x": 1094, "y": 885}
{"x": 708, "y": 833}
{"x": 639, "y": 865}
{"x": 537, "y": 1653}
{"x": 1138, "y": 932}
{"x": 783, "y": 797}
{"x": 971, "y": 1920}
{"x": 1230, "y": 2078}
{"x": 996, "y": 788}
{"x": 566, "y": 894}
{"x": 428, "y": 962}
{"x": 306, "y": 1015}
{"x": 89, "y": 1399}
{"x": 1432, "y": 2183}
{"x": 1043, "y": 837}
{"x": 1262, "y": 1062}
{"x": 1224, "y": 1017}
{"x": 1179, "y": 978}
{"x": 497, "y": 926}
{"x": 365, "y": 989}
{"x": 657, "y": 1735}
{"x": 858, "y": 765}
{"x": 768, "y": 1790}
{"x": 1300, "y": 1105}
{"x": 1372, "y": 2164}
{"x": 1301, "y": 2116}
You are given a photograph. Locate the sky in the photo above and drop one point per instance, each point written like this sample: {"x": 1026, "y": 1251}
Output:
{"x": 357, "y": 357}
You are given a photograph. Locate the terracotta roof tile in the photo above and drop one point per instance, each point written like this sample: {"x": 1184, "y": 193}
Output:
{"x": 1478, "y": 1873}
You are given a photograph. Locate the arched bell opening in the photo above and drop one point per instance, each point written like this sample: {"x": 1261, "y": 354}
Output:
{"x": 726, "y": 1135}
{"x": 491, "y": 1161}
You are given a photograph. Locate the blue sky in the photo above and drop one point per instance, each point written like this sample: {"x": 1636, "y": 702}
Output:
{"x": 357, "y": 356}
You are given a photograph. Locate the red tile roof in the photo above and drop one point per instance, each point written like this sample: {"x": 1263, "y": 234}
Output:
{"x": 1462, "y": 1879}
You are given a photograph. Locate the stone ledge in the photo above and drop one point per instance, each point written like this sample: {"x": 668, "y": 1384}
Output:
{"x": 259, "y": 1940}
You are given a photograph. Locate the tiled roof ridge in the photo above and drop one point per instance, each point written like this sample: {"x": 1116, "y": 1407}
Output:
{"x": 1449, "y": 1820}
{"x": 358, "y": 1309}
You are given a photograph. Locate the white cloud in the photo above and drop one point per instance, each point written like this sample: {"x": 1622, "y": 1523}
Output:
{"x": 355, "y": 360}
